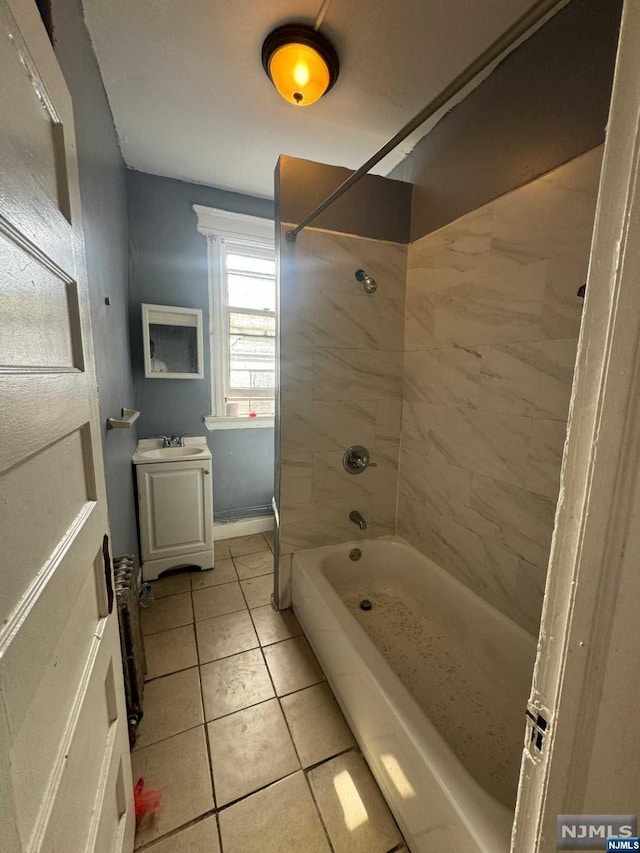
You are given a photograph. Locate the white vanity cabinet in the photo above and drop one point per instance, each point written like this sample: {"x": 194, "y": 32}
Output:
{"x": 175, "y": 507}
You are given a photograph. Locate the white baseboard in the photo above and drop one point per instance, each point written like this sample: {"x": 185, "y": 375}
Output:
{"x": 242, "y": 527}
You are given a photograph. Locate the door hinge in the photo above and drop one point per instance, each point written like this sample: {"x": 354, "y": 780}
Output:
{"x": 538, "y": 729}
{"x": 108, "y": 577}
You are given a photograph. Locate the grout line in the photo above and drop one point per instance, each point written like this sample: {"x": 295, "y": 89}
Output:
{"x": 245, "y": 707}
{"x": 168, "y": 737}
{"x": 217, "y": 809}
{"x": 286, "y": 640}
{"x": 240, "y": 710}
{"x": 278, "y": 642}
{"x": 403, "y": 844}
{"x": 173, "y": 832}
{"x": 168, "y": 674}
{"x": 220, "y": 615}
{"x": 246, "y": 602}
{"x": 204, "y": 724}
{"x": 258, "y": 645}
{"x": 277, "y": 698}
{"x": 246, "y": 580}
{"x": 252, "y": 554}
{"x": 355, "y": 748}
{"x": 202, "y": 663}
{"x": 304, "y": 774}
{"x": 180, "y": 668}
{"x": 210, "y": 585}
{"x": 257, "y": 791}
{"x": 219, "y": 829}
{"x": 170, "y": 595}
{"x": 266, "y": 547}
{"x": 226, "y": 657}
{"x": 323, "y": 680}
{"x": 173, "y": 671}
{"x": 208, "y": 746}
{"x": 164, "y": 630}
{"x": 240, "y": 610}
{"x": 208, "y": 759}
{"x": 216, "y": 586}
{"x": 254, "y": 577}
{"x": 207, "y": 742}
{"x": 318, "y": 812}
{"x": 284, "y": 716}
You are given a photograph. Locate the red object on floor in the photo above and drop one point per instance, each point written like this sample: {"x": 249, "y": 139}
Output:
{"x": 146, "y": 802}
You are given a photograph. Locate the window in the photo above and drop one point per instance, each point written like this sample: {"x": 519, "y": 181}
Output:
{"x": 242, "y": 318}
{"x": 249, "y": 327}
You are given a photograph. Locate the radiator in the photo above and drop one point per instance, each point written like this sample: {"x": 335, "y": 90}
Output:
{"x": 133, "y": 658}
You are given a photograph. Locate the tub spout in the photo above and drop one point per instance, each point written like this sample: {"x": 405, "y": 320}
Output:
{"x": 355, "y": 516}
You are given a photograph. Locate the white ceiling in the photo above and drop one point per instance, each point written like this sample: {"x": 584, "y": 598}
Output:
{"x": 190, "y": 98}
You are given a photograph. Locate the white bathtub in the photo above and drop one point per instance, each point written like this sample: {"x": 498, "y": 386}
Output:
{"x": 434, "y": 687}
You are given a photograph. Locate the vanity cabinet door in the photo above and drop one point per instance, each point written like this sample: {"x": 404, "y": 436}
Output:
{"x": 176, "y": 508}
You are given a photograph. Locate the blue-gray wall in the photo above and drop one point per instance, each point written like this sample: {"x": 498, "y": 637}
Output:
{"x": 103, "y": 191}
{"x": 168, "y": 266}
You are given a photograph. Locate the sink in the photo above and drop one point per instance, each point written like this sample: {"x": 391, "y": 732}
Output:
{"x": 164, "y": 453}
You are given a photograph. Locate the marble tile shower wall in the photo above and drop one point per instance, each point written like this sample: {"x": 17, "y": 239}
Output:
{"x": 491, "y": 327}
{"x": 340, "y": 385}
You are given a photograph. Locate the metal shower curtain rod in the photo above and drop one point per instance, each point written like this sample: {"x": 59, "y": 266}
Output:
{"x": 508, "y": 38}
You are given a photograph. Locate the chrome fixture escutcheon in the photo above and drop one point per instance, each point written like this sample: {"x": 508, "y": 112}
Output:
{"x": 357, "y": 459}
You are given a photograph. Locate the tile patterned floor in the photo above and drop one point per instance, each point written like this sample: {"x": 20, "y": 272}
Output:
{"x": 241, "y": 730}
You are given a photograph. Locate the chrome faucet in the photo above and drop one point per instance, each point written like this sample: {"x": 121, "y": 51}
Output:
{"x": 357, "y": 518}
{"x": 171, "y": 440}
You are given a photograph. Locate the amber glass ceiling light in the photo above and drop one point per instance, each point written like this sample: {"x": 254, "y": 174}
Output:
{"x": 300, "y": 62}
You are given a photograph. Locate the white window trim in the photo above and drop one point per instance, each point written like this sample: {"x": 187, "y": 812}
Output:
{"x": 214, "y": 224}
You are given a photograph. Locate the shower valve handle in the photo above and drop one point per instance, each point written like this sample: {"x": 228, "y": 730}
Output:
{"x": 356, "y": 460}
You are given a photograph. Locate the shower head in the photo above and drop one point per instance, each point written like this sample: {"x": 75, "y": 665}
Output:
{"x": 370, "y": 284}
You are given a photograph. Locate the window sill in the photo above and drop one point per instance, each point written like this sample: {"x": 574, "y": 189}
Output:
{"x": 263, "y": 422}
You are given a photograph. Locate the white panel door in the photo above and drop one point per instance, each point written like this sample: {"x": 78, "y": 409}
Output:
{"x": 65, "y": 783}
{"x": 176, "y": 513}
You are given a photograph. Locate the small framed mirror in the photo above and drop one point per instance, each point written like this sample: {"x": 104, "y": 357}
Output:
{"x": 172, "y": 341}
